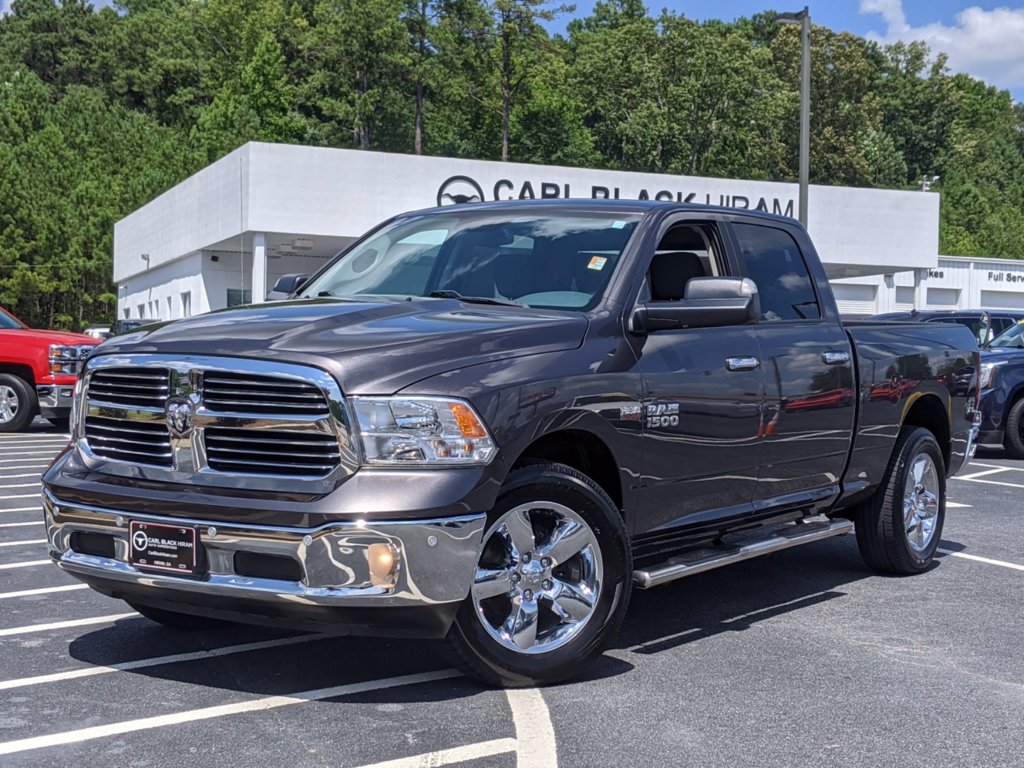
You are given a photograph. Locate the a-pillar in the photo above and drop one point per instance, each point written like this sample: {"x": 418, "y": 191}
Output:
{"x": 259, "y": 268}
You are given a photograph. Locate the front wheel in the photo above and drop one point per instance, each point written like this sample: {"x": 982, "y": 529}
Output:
{"x": 1013, "y": 440}
{"x": 899, "y": 529}
{"x": 552, "y": 583}
{"x": 17, "y": 403}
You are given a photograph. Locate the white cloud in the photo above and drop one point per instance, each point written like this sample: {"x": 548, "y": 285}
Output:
{"x": 986, "y": 44}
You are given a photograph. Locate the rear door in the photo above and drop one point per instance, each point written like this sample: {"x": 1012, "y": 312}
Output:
{"x": 808, "y": 367}
{"x": 704, "y": 392}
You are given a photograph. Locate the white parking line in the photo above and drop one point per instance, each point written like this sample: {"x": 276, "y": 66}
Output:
{"x": 21, "y": 543}
{"x": 24, "y": 509}
{"x": 19, "y": 438}
{"x": 19, "y": 485}
{"x": 20, "y": 525}
{"x": 536, "y": 734}
{"x": 11, "y": 452}
{"x": 32, "y": 461}
{"x": 223, "y": 710}
{"x": 997, "y": 466}
{"x": 983, "y": 473}
{"x": 41, "y": 591}
{"x": 957, "y": 505}
{"x": 156, "y": 661}
{"x": 986, "y": 560}
{"x": 28, "y": 564}
{"x": 989, "y": 482}
{"x": 449, "y": 756}
{"x": 25, "y": 466}
{"x": 15, "y": 477}
{"x": 65, "y": 624}
{"x": 21, "y": 496}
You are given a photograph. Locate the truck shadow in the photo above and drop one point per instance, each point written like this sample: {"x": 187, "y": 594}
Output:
{"x": 731, "y": 599}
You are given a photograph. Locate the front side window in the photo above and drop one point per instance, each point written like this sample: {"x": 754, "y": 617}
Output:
{"x": 1012, "y": 337}
{"x": 550, "y": 260}
{"x": 9, "y": 321}
{"x": 774, "y": 262}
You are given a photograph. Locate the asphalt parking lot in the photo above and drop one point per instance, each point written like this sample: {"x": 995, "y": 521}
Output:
{"x": 801, "y": 658}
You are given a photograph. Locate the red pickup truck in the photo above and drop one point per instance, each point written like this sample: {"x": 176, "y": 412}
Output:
{"x": 38, "y": 370}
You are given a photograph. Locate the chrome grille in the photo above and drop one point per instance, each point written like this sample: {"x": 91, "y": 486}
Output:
{"x": 138, "y": 442}
{"x": 271, "y": 452}
{"x": 130, "y": 387}
{"x": 207, "y": 421}
{"x": 248, "y": 393}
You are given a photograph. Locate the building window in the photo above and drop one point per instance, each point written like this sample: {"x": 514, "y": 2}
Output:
{"x": 186, "y": 304}
{"x": 170, "y": 309}
{"x": 238, "y": 296}
{"x": 142, "y": 311}
{"x": 127, "y": 312}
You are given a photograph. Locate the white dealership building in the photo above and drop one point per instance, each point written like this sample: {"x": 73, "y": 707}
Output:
{"x": 223, "y": 236}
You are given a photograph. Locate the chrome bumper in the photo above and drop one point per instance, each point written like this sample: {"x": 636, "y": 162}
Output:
{"x": 436, "y": 559}
{"x": 972, "y": 438}
{"x": 54, "y": 397}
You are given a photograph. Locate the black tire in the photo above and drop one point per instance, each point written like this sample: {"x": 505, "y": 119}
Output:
{"x": 1013, "y": 438}
{"x": 18, "y": 404}
{"x": 882, "y": 530}
{"x": 484, "y": 657}
{"x": 181, "y": 621}
{"x": 60, "y": 422}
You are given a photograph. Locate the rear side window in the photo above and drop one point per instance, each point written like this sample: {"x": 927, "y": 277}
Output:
{"x": 774, "y": 262}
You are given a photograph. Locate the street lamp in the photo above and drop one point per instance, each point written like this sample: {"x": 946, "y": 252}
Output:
{"x": 803, "y": 18}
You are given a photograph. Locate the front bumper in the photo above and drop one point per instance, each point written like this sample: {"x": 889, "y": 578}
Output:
{"x": 332, "y": 587}
{"x": 55, "y": 400}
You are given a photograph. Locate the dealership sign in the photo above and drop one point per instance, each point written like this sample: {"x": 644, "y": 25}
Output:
{"x": 466, "y": 189}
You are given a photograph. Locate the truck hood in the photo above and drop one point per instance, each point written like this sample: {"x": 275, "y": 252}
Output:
{"x": 50, "y": 337}
{"x": 377, "y": 346}
{"x": 1002, "y": 354}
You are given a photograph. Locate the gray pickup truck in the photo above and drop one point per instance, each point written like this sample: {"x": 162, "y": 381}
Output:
{"x": 492, "y": 422}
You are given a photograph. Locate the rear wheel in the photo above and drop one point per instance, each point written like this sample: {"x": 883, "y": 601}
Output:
{"x": 898, "y": 531}
{"x": 552, "y": 583}
{"x": 17, "y": 403}
{"x": 180, "y": 621}
{"x": 1013, "y": 439}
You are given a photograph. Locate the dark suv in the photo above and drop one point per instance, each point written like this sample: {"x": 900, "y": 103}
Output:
{"x": 998, "y": 320}
{"x": 1002, "y": 391}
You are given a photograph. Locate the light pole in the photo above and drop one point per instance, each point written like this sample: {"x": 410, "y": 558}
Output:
{"x": 803, "y": 18}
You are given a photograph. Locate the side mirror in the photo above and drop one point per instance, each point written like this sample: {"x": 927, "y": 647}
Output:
{"x": 709, "y": 302}
{"x": 290, "y": 283}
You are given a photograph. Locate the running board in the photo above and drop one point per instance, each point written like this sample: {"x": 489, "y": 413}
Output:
{"x": 681, "y": 565}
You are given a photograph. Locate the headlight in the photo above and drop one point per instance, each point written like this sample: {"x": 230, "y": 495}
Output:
{"x": 421, "y": 431}
{"x": 66, "y": 359}
{"x": 987, "y": 379}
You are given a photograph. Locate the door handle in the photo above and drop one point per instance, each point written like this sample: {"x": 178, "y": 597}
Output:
{"x": 835, "y": 358}
{"x": 741, "y": 363}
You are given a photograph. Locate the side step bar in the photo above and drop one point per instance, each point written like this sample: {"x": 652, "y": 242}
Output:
{"x": 681, "y": 565}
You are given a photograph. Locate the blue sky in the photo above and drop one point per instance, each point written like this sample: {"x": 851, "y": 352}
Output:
{"x": 982, "y": 38}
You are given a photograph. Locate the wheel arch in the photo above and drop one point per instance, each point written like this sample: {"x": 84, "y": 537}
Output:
{"x": 929, "y": 411}
{"x": 23, "y": 372}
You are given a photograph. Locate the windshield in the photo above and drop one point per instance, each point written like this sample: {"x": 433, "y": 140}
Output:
{"x": 8, "y": 321}
{"x": 551, "y": 260}
{"x": 1011, "y": 337}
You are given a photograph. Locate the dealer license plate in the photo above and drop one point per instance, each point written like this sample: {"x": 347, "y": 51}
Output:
{"x": 163, "y": 547}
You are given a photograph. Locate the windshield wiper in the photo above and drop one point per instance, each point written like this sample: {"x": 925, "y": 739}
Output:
{"x": 449, "y": 294}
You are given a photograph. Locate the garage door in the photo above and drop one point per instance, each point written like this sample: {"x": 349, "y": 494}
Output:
{"x": 943, "y": 298}
{"x": 1002, "y": 299}
{"x": 855, "y": 299}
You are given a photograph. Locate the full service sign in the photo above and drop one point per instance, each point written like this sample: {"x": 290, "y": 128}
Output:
{"x": 465, "y": 189}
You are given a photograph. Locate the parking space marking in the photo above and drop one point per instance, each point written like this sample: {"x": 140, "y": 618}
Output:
{"x": 534, "y": 730}
{"x": 25, "y": 466}
{"x": 65, "y": 624}
{"x": 27, "y": 564}
{"x": 21, "y": 543}
{"x": 449, "y": 756}
{"x": 986, "y": 560}
{"x": 19, "y": 485}
{"x": 157, "y": 661}
{"x": 996, "y": 466}
{"x": 24, "y": 509}
{"x": 16, "y": 460}
{"x": 957, "y": 505}
{"x": 22, "y": 452}
{"x": 989, "y": 482}
{"x": 19, "y": 525}
{"x": 208, "y": 713}
{"x": 19, "y": 438}
{"x": 985, "y": 472}
{"x": 21, "y": 496}
{"x": 42, "y": 591}
{"x": 15, "y": 477}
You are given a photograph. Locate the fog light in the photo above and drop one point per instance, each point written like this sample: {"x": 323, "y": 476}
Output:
{"x": 383, "y": 561}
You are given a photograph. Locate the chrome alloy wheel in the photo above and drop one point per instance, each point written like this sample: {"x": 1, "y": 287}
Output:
{"x": 921, "y": 502}
{"x": 8, "y": 404}
{"x": 539, "y": 577}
